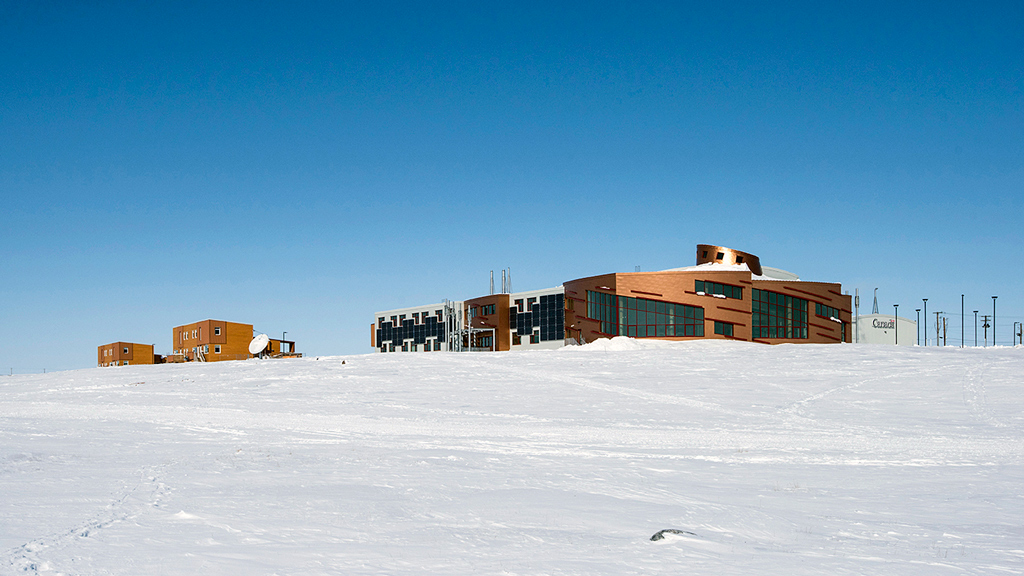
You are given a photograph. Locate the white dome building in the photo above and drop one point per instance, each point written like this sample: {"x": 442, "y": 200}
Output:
{"x": 884, "y": 329}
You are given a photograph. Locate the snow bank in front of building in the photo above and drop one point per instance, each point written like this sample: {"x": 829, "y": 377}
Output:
{"x": 747, "y": 459}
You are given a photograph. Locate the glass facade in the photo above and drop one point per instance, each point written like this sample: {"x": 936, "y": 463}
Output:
{"x": 546, "y": 313}
{"x": 720, "y": 289}
{"x": 643, "y": 318}
{"x": 397, "y": 333}
{"x": 775, "y": 315}
{"x": 826, "y": 311}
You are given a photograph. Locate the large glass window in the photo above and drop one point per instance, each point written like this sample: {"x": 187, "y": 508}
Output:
{"x": 643, "y": 318}
{"x": 775, "y": 315}
{"x": 604, "y": 308}
{"x": 826, "y": 311}
{"x": 723, "y": 328}
{"x": 703, "y": 287}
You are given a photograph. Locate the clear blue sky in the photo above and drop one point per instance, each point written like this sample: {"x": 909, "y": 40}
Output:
{"x": 300, "y": 166}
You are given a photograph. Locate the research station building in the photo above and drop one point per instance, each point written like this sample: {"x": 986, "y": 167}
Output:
{"x": 726, "y": 295}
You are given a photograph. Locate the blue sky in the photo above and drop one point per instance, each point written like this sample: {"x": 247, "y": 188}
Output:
{"x": 299, "y": 167}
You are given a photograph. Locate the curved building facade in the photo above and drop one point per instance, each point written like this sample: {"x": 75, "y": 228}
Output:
{"x": 727, "y": 295}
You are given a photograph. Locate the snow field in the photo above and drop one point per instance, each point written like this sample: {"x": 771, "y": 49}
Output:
{"x": 794, "y": 459}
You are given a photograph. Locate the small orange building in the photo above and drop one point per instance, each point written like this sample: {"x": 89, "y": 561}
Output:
{"x": 211, "y": 341}
{"x": 124, "y": 354}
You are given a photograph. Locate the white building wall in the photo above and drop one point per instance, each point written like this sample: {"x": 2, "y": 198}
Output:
{"x": 883, "y": 329}
{"x": 430, "y": 310}
{"x": 525, "y": 338}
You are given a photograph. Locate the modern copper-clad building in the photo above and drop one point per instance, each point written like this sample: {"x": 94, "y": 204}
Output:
{"x": 727, "y": 295}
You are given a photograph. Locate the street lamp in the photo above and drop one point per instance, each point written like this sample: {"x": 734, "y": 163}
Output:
{"x": 975, "y": 328}
{"x": 896, "y": 321}
{"x": 994, "y": 320}
{"x": 961, "y": 320}
{"x": 917, "y": 325}
{"x": 925, "y": 321}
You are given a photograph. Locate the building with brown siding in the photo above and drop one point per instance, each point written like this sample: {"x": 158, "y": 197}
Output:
{"x": 124, "y": 354}
{"x": 211, "y": 341}
{"x": 727, "y": 295}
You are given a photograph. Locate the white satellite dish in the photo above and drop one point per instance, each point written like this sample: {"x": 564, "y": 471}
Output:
{"x": 258, "y": 343}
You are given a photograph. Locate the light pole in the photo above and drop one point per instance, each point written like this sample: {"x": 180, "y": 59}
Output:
{"x": 917, "y": 325}
{"x": 961, "y": 320}
{"x": 925, "y": 321}
{"x": 896, "y": 321}
{"x": 994, "y": 320}
{"x": 975, "y": 328}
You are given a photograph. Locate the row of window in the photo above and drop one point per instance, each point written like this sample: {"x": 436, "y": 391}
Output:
{"x": 198, "y": 333}
{"x": 412, "y": 346}
{"x": 775, "y": 315}
{"x": 517, "y": 339}
{"x": 204, "y": 348}
{"x": 826, "y": 311}
{"x": 703, "y": 287}
{"x": 641, "y": 317}
{"x": 417, "y": 317}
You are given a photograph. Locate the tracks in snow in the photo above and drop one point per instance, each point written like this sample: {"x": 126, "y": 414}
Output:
{"x": 131, "y": 501}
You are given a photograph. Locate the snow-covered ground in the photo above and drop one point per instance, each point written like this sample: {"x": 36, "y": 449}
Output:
{"x": 795, "y": 459}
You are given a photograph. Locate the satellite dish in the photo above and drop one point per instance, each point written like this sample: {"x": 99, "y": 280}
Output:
{"x": 258, "y": 343}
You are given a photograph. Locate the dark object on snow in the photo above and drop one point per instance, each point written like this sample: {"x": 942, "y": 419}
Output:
{"x": 660, "y": 535}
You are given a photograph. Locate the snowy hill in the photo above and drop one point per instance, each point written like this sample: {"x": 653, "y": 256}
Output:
{"x": 796, "y": 459}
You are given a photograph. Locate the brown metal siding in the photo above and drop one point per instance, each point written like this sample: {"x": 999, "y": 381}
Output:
{"x": 678, "y": 287}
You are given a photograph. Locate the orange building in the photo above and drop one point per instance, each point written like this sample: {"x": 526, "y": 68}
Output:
{"x": 217, "y": 340}
{"x": 727, "y": 295}
{"x": 211, "y": 341}
{"x": 124, "y": 354}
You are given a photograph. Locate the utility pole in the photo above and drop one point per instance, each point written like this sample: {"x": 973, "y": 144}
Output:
{"x": 925, "y": 321}
{"x": 994, "y": 320}
{"x": 937, "y": 327}
{"x": 944, "y": 330}
{"x": 984, "y": 324}
{"x": 896, "y": 322}
{"x": 856, "y": 306}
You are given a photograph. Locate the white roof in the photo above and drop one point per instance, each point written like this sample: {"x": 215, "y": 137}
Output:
{"x": 768, "y": 273}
